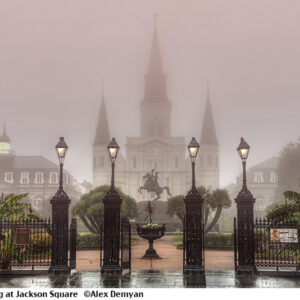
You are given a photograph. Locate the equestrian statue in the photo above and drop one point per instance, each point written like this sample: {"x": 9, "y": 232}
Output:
{"x": 151, "y": 185}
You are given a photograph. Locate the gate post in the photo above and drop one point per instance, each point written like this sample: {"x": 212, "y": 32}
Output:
{"x": 193, "y": 235}
{"x": 111, "y": 252}
{"x": 245, "y": 222}
{"x": 60, "y": 225}
{"x": 60, "y": 219}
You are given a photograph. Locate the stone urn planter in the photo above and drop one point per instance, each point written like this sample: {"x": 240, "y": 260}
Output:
{"x": 150, "y": 233}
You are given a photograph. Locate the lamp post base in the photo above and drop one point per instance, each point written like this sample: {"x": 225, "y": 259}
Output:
{"x": 193, "y": 269}
{"x": 111, "y": 269}
{"x": 245, "y": 270}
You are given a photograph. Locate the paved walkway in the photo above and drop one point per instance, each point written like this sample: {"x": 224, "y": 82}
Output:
{"x": 148, "y": 279}
{"x": 171, "y": 258}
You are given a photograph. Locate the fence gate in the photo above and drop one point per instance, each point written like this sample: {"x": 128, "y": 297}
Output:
{"x": 125, "y": 244}
{"x": 189, "y": 241}
{"x": 73, "y": 241}
{"x": 125, "y": 249}
{"x": 276, "y": 245}
{"x": 25, "y": 243}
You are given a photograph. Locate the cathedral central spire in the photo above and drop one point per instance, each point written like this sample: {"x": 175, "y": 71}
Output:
{"x": 155, "y": 79}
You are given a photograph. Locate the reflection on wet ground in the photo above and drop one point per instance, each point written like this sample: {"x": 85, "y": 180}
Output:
{"x": 148, "y": 279}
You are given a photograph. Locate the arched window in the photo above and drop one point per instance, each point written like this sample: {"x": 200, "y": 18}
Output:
{"x": 39, "y": 177}
{"x": 134, "y": 161}
{"x": 273, "y": 177}
{"x": 151, "y": 130}
{"x": 258, "y": 177}
{"x": 101, "y": 161}
{"x": 216, "y": 161}
{"x": 209, "y": 161}
{"x": 201, "y": 161}
{"x": 24, "y": 178}
{"x": 176, "y": 162}
{"x": 9, "y": 177}
{"x": 53, "y": 179}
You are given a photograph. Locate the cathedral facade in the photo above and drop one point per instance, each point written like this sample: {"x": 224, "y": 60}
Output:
{"x": 156, "y": 151}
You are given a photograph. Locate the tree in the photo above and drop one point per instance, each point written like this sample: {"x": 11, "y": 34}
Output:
{"x": 90, "y": 208}
{"x": 176, "y": 207}
{"x": 213, "y": 201}
{"x": 11, "y": 206}
{"x": 287, "y": 211}
{"x": 288, "y": 170}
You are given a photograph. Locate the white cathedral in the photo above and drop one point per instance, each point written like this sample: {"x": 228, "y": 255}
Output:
{"x": 156, "y": 148}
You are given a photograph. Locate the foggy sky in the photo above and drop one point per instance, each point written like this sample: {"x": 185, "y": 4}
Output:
{"x": 54, "y": 56}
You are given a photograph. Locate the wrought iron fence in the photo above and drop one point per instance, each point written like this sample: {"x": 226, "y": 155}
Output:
{"x": 25, "y": 243}
{"x": 125, "y": 242}
{"x": 73, "y": 242}
{"x": 276, "y": 244}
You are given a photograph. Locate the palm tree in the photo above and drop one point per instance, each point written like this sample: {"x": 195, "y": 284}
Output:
{"x": 287, "y": 211}
{"x": 213, "y": 201}
{"x": 219, "y": 199}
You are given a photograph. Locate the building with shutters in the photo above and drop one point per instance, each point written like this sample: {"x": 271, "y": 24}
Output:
{"x": 34, "y": 175}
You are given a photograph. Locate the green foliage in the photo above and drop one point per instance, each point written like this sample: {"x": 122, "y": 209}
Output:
{"x": 288, "y": 170}
{"x": 287, "y": 211}
{"x": 90, "y": 208}
{"x": 92, "y": 241}
{"x": 214, "y": 200}
{"x": 176, "y": 207}
{"x": 211, "y": 241}
{"x": 13, "y": 207}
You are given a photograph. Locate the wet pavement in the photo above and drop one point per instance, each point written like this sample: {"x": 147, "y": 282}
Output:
{"x": 148, "y": 279}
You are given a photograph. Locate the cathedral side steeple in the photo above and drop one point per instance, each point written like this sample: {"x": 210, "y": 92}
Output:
{"x": 208, "y": 134}
{"x": 208, "y": 173}
{"x": 155, "y": 107}
{"x": 102, "y": 136}
{"x": 101, "y": 163}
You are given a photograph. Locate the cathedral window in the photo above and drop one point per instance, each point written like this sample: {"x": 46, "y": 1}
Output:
{"x": 160, "y": 130}
{"x": 9, "y": 177}
{"x": 209, "y": 161}
{"x": 39, "y": 177}
{"x": 216, "y": 161}
{"x": 201, "y": 161}
{"x": 273, "y": 177}
{"x": 258, "y": 177}
{"x": 176, "y": 162}
{"x": 101, "y": 161}
{"x": 134, "y": 162}
{"x": 24, "y": 178}
{"x": 151, "y": 130}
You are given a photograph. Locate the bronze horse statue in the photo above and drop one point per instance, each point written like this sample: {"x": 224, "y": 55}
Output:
{"x": 151, "y": 185}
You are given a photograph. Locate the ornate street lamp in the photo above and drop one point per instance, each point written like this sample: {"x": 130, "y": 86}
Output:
{"x": 61, "y": 148}
{"x": 193, "y": 224}
{"x": 112, "y": 205}
{"x": 193, "y": 149}
{"x": 113, "y": 149}
{"x": 60, "y": 218}
{"x": 245, "y": 226}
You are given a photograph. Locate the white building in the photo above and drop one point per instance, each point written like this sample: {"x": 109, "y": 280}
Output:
{"x": 156, "y": 148}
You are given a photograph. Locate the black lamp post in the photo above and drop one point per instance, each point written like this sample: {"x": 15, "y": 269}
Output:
{"x": 193, "y": 237}
{"x": 245, "y": 226}
{"x": 112, "y": 205}
{"x": 60, "y": 218}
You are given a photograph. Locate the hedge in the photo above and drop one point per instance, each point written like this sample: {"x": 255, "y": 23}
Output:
{"x": 211, "y": 241}
{"x": 92, "y": 241}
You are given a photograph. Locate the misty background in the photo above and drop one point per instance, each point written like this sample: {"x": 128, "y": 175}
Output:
{"x": 55, "y": 56}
